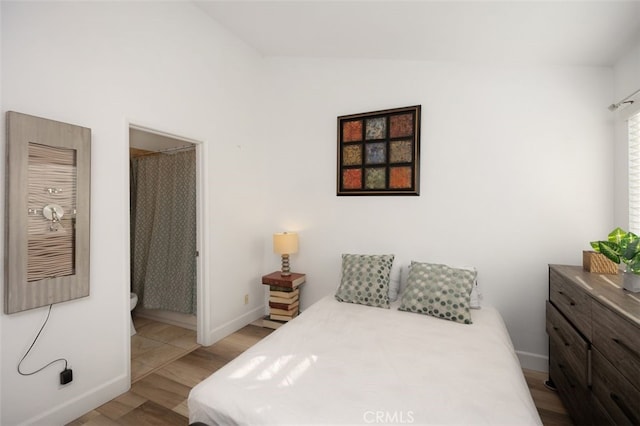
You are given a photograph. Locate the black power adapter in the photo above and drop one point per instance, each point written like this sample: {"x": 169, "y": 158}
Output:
{"x": 66, "y": 376}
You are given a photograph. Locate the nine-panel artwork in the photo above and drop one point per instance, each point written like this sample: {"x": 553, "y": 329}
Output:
{"x": 379, "y": 152}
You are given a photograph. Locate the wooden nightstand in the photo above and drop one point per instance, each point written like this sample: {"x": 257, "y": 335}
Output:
{"x": 284, "y": 298}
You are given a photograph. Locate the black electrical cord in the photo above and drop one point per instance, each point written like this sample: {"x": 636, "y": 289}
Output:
{"x": 34, "y": 342}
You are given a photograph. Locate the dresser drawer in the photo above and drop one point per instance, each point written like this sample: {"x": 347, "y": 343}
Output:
{"x": 571, "y": 301}
{"x": 569, "y": 346}
{"x": 618, "y": 340}
{"x": 574, "y": 396}
{"x": 599, "y": 416}
{"x": 619, "y": 397}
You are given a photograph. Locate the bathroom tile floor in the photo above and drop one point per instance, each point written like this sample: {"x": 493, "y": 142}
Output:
{"x": 156, "y": 344}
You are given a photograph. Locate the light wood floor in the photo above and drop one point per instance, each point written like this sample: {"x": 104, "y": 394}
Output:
{"x": 164, "y": 376}
{"x": 549, "y": 406}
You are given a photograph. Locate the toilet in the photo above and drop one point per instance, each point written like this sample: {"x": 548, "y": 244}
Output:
{"x": 134, "y": 302}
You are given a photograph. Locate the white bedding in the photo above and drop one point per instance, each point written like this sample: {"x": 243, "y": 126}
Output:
{"x": 342, "y": 363}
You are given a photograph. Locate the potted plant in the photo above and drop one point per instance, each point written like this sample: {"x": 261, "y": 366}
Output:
{"x": 623, "y": 247}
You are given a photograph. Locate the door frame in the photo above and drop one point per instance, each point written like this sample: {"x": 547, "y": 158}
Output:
{"x": 203, "y": 305}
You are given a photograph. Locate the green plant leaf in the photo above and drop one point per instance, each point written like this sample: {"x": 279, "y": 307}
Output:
{"x": 631, "y": 250}
{"x": 595, "y": 245}
{"x": 616, "y": 235}
{"x": 634, "y": 264}
{"x": 610, "y": 250}
{"x": 627, "y": 239}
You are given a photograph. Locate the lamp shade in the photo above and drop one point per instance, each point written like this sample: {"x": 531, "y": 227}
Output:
{"x": 285, "y": 243}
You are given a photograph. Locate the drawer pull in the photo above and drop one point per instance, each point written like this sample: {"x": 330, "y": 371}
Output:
{"x": 564, "y": 341}
{"x": 626, "y": 348}
{"x": 571, "y": 302}
{"x": 566, "y": 376}
{"x": 623, "y": 407}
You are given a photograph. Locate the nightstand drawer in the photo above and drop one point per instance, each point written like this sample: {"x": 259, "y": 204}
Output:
{"x": 619, "y": 341}
{"x": 569, "y": 346}
{"x": 619, "y": 397}
{"x": 573, "y": 303}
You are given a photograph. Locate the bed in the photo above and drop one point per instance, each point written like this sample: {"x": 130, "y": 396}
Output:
{"x": 348, "y": 363}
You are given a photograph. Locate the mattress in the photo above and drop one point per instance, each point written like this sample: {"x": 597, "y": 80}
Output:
{"x": 342, "y": 363}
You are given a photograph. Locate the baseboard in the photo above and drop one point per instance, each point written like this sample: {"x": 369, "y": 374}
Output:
{"x": 234, "y": 325}
{"x": 77, "y": 407}
{"x": 534, "y": 362}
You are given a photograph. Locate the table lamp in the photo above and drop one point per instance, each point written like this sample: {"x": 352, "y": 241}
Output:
{"x": 285, "y": 243}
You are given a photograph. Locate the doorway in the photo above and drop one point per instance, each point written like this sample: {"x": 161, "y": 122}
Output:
{"x": 171, "y": 235}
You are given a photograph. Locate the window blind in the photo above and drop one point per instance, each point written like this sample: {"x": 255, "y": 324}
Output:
{"x": 634, "y": 173}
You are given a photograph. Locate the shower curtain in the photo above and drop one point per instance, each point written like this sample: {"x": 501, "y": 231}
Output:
{"x": 163, "y": 231}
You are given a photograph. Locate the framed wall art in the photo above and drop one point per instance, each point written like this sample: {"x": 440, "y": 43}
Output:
{"x": 379, "y": 152}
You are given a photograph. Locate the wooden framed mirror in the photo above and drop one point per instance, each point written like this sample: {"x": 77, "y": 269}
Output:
{"x": 47, "y": 212}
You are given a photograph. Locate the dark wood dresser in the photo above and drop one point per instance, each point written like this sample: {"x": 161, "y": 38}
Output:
{"x": 594, "y": 346}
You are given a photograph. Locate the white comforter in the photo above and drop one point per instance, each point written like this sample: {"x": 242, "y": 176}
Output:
{"x": 341, "y": 363}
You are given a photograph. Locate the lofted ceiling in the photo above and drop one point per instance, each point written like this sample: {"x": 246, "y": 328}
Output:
{"x": 549, "y": 32}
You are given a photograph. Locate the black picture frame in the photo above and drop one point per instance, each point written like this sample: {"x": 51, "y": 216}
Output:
{"x": 379, "y": 152}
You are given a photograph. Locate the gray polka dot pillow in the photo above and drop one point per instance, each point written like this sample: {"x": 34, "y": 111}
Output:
{"x": 439, "y": 290}
{"x": 365, "y": 279}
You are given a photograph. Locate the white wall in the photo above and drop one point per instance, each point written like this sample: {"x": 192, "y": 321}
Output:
{"x": 508, "y": 181}
{"x": 626, "y": 81}
{"x": 516, "y": 173}
{"x": 102, "y": 65}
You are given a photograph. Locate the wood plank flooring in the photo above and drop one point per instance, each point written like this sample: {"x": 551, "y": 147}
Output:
{"x": 549, "y": 406}
{"x": 158, "y": 394}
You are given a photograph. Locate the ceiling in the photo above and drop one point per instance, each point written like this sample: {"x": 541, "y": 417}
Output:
{"x": 557, "y": 32}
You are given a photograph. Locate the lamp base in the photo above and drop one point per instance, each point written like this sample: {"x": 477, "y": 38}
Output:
{"x": 285, "y": 272}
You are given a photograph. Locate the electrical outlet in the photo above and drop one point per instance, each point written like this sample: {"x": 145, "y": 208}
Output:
{"x": 246, "y": 299}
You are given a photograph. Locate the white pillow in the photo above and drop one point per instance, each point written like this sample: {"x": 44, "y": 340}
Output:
{"x": 394, "y": 281}
{"x": 476, "y": 297}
